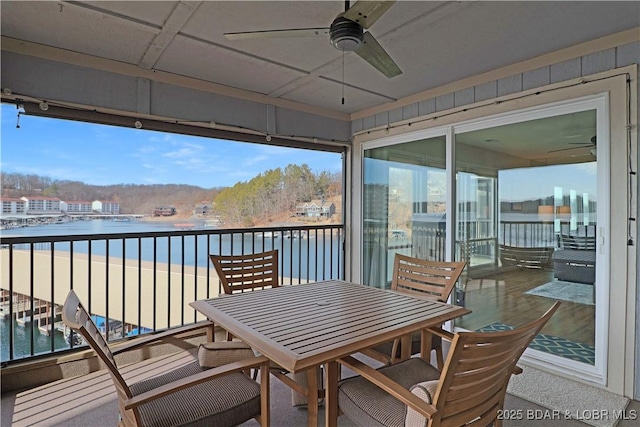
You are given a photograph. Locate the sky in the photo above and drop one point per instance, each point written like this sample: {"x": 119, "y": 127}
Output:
{"x": 105, "y": 155}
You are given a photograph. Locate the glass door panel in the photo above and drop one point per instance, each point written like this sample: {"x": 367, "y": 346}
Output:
{"x": 404, "y": 201}
{"x": 526, "y": 224}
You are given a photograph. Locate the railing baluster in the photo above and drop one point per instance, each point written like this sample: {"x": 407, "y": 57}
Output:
{"x": 291, "y": 257}
{"x": 183, "y": 282}
{"x": 169, "y": 282}
{"x": 11, "y": 295}
{"x": 195, "y": 274}
{"x": 124, "y": 279}
{"x": 139, "y": 285}
{"x": 155, "y": 283}
{"x": 220, "y": 253}
{"x": 291, "y": 262}
{"x": 330, "y": 254}
{"x": 208, "y": 281}
{"x": 315, "y": 276}
{"x": 71, "y": 256}
{"x": 53, "y": 304}
{"x": 106, "y": 287}
{"x": 31, "y": 299}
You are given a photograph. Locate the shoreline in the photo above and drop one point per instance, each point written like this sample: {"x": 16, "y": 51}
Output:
{"x": 176, "y": 222}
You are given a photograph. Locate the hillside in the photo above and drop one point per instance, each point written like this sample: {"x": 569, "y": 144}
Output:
{"x": 268, "y": 198}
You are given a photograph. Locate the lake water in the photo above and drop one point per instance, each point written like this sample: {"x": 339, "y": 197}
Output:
{"x": 315, "y": 257}
{"x": 297, "y": 259}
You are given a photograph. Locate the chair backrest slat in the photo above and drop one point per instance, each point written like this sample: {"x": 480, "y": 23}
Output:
{"x": 434, "y": 279}
{"x": 247, "y": 272}
{"x": 479, "y": 364}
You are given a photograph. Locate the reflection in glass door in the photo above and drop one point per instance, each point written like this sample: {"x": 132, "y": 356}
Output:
{"x": 526, "y": 224}
{"x": 404, "y": 190}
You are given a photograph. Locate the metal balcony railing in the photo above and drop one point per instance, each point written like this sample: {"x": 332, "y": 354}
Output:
{"x": 134, "y": 283}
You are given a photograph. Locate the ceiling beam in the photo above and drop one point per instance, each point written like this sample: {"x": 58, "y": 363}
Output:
{"x": 103, "y": 13}
{"x": 178, "y": 18}
{"x": 75, "y": 58}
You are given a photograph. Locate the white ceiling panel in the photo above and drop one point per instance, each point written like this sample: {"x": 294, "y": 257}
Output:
{"x": 329, "y": 95}
{"x": 433, "y": 42}
{"x": 213, "y": 19}
{"x": 210, "y": 63}
{"x": 76, "y": 29}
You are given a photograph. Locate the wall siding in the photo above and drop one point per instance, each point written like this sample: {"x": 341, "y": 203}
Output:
{"x": 562, "y": 71}
{"x": 53, "y": 80}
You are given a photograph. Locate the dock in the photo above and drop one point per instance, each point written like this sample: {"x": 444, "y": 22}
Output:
{"x": 137, "y": 285}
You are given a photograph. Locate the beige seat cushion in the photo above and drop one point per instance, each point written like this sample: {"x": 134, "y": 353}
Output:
{"x": 214, "y": 354}
{"x": 226, "y": 401}
{"x": 368, "y": 405}
{"x": 426, "y": 391}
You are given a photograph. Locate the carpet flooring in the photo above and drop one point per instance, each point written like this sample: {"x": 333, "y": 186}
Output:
{"x": 580, "y": 293}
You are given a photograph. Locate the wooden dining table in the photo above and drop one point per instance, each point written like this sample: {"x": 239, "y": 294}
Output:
{"x": 301, "y": 327}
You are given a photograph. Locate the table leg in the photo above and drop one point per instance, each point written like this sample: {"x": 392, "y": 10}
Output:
{"x": 405, "y": 347}
{"x": 331, "y": 394}
{"x": 211, "y": 332}
{"x": 312, "y": 397}
{"x": 425, "y": 344}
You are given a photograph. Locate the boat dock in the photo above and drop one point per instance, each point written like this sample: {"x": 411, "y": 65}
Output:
{"x": 142, "y": 285}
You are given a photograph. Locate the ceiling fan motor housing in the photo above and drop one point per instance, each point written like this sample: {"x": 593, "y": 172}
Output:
{"x": 345, "y": 34}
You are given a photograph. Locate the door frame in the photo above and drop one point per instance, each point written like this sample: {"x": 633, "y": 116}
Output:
{"x": 598, "y": 102}
{"x": 621, "y": 86}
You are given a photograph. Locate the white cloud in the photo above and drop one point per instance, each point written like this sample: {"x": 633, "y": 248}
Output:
{"x": 255, "y": 160}
{"x": 180, "y": 153}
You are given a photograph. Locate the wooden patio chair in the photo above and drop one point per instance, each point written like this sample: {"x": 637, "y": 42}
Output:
{"x": 429, "y": 279}
{"x": 470, "y": 390}
{"x": 249, "y": 272}
{"x": 189, "y": 394}
{"x": 240, "y": 273}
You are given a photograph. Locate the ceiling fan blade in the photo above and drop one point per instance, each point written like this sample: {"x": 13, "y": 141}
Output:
{"x": 287, "y": 32}
{"x": 374, "y": 54}
{"x": 366, "y": 13}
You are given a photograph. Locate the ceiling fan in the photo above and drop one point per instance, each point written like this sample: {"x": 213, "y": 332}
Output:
{"x": 346, "y": 34}
{"x": 592, "y": 144}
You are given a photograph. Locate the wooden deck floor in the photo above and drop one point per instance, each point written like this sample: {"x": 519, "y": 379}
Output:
{"x": 501, "y": 298}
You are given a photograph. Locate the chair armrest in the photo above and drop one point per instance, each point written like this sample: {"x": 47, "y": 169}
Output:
{"x": 199, "y": 378}
{"x": 436, "y": 330}
{"x": 145, "y": 339}
{"x": 390, "y": 386}
{"x": 377, "y": 355}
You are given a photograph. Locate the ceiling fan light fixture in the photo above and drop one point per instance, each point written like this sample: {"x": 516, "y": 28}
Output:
{"x": 345, "y": 35}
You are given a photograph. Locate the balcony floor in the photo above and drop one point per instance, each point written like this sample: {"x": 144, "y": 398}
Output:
{"x": 89, "y": 400}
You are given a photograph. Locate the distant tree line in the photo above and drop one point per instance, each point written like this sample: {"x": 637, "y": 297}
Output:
{"x": 133, "y": 198}
{"x": 267, "y": 195}
{"x": 273, "y": 192}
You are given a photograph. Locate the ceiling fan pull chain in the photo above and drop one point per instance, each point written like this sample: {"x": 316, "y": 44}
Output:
{"x": 343, "y": 77}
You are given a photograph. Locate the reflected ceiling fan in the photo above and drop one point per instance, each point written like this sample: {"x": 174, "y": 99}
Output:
{"x": 579, "y": 145}
{"x": 346, "y": 34}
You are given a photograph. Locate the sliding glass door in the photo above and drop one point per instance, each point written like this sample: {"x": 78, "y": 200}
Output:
{"x": 403, "y": 205}
{"x": 525, "y": 213}
{"x": 526, "y": 225}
